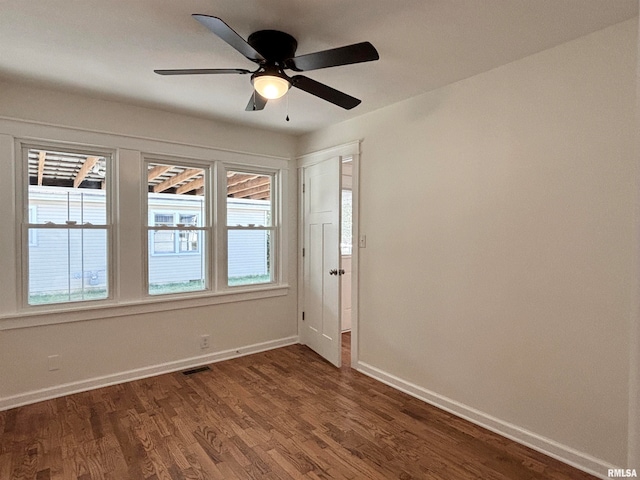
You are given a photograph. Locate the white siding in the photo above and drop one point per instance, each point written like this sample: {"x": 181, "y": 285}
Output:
{"x": 63, "y": 259}
{"x": 247, "y": 249}
{"x": 51, "y": 271}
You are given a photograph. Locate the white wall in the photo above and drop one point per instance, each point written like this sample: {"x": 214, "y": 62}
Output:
{"x": 131, "y": 339}
{"x": 61, "y": 108}
{"x": 501, "y": 211}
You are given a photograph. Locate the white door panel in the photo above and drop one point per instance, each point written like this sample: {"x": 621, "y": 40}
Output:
{"x": 321, "y": 324}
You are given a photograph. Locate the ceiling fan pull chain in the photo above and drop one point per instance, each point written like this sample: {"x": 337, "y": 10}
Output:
{"x": 287, "y": 119}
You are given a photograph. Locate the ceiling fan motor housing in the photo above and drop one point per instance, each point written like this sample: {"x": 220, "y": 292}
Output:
{"x": 273, "y": 45}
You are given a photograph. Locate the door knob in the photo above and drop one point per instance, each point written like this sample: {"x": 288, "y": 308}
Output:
{"x": 341, "y": 272}
{"x": 333, "y": 272}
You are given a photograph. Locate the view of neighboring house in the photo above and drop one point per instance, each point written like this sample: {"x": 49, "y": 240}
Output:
{"x": 69, "y": 228}
{"x": 75, "y": 260}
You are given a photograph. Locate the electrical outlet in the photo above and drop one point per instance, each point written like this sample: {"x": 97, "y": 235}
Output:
{"x": 204, "y": 342}
{"x": 54, "y": 362}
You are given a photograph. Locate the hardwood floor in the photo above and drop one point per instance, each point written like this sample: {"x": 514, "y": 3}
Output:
{"x": 282, "y": 414}
{"x": 346, "y": 349}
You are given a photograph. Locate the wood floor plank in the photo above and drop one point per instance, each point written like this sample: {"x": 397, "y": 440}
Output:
{"x": 283, "y": 414}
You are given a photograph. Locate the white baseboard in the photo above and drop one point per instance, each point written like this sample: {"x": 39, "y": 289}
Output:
{"x": 565, "y": 454}
{"x": 138, "y": 373}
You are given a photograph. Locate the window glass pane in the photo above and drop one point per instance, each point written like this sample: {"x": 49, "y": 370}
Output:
{"x": 347, "y": 221}
{"x": 249, "y": 199}
{"x": 67, "y": 187}
{"x": 249, "y": 257}
{"x": 67, "y": 265}
{"x": 176, "y": 199}
{"x": 177, "y": 273}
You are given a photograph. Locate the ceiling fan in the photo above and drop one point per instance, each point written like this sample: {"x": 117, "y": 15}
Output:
{"x": 274, "y": 52}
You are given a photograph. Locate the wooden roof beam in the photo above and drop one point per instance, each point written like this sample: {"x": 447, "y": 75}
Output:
{"x": 181, "y": 177}
{"x": 262, "y": 192}
{"x": 234, "y": 188}
{"x": 193, "y": 185}
{"x": 84, "y": 170}
{"x": 42, "y": 158}
{"x": 158, "y": 170}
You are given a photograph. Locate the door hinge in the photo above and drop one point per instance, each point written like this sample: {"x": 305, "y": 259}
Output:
{"x": 303, "y": 252}
{"x": 302, "y": 315}
{"x": 304, "y": 187}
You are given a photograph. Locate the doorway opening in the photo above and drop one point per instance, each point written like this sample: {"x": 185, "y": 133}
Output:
{"x": 346, "y": 250}
{"x": 329, "y": 247}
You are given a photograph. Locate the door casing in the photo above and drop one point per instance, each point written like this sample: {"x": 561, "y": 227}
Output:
{"x": 345, "y": 151}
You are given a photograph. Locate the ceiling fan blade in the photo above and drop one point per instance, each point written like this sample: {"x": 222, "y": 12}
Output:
{"x": 226, "y": 33}
{"x": 325, "y": 92}
{"x": 356, "y": 53}
{"x": 202, "y": 71}
{"x": 256, "y": 102}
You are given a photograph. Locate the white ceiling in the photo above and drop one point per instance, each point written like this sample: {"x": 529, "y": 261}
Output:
{"x": 109, "y": 48}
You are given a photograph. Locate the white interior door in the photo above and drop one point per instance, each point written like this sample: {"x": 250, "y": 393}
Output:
{"x": 321, "y": 327}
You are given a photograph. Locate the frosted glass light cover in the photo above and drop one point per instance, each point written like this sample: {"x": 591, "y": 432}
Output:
{"x": 271, "y": 87}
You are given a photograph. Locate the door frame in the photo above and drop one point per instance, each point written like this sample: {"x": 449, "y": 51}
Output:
{"x": 348, "y": 150}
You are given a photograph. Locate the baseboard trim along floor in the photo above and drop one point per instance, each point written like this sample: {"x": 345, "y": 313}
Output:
{"x": 565, "y": 454}
{"x": 139, "y": 373}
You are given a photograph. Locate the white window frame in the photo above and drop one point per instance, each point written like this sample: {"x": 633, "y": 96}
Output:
{"x": 205, "y": 227}
{"x": 24, "y": 222}
{"x": 127, "y": 253}
{"x": 275, "y": 228}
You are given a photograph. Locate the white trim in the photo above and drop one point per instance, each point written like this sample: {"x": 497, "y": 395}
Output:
{"x": 345, "y": 150}
{"x": 355, "y": 256}
{"x": 139, "y": 373}
{"x": 22, "y": 196}
{"x": 300, "y": 274}
{"x": 82, "y": 311}
{"x": 17, "y": 314}
{"x": 551, "y": 448}
{"x": 68, "y": 133}
{"x": 206, "y": 227}
{"x": 277, "y": 207}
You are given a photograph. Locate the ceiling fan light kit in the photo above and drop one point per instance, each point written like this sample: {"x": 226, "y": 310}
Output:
{"x": 274, "y": 52}
{"x": 270, "y": 86}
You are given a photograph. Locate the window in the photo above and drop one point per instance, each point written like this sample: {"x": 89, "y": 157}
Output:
{"x": 178, "y": 228}
{"x": 251, "y": 229}
{"x": 97, "y": 230}
{"x": 167, "y": 242}
{"x": 346, "y": 241}
{"x": 67, "y": 222}
{"x": 163, "y": 240}
{"x": 188, "y": 241}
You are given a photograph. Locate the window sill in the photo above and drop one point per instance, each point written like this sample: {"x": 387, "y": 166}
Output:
{"x": 160, "y": 303}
